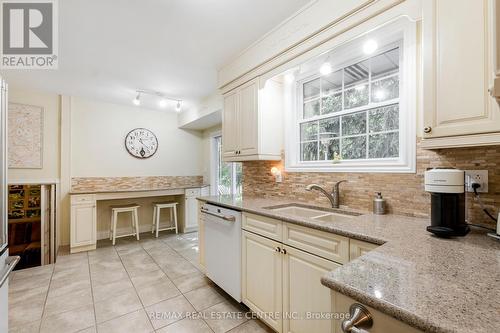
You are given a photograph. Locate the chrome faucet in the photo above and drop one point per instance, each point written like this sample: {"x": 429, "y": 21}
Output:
{"x": 333, "y": 197}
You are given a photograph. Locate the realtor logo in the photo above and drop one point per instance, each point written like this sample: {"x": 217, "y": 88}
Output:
{"x": 29, "y": 34}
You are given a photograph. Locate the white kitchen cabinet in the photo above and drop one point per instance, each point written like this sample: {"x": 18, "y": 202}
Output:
{"x": 191, "y": 211}
{"x": 252, "y": 122}
{"x": 303, "y": 293}
{"x": 460, "y": 66}
{"x": 83, "y": 224}
{"x": 382, "y": 323}
{"x": 262, "y": 276}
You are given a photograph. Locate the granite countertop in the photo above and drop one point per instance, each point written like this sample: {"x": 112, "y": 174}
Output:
{"x": 138, "y": 189}
{"x": 433, "y": 284}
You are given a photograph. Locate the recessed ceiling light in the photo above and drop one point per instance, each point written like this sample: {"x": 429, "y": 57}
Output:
{"x": 370, "y": 46}
{"x": 137, "y": 100}
{"x": 162, "y": 103}
{"x": 325, "y": 69}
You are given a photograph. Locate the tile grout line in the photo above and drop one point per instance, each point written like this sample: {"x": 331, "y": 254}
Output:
{"x": 46, "y": 297}
{"x": 92, "y": 291}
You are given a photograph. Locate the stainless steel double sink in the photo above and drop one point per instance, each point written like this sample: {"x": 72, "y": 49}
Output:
{"x": 315, "y": 213}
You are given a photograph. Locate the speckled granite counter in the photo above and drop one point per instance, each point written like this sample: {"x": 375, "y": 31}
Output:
{"x": 436, "y": 285}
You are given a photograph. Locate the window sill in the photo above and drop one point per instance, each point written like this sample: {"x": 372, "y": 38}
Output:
{"x": 350, "y": 167}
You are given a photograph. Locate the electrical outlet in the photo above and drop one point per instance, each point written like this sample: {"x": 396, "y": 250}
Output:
{"x": 477, "y": 176}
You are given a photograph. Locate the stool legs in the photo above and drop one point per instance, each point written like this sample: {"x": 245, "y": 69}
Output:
{"x": 136, "y": 222}
{"x": 157, "y": 222}
{"x": 154, "y": 219}
{"x": 175, "y": 217}
{"x": 115, "y": 217}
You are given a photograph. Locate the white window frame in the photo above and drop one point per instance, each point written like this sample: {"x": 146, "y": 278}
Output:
{"x": 401, "y": 34}
{"x": 214, "y": 175}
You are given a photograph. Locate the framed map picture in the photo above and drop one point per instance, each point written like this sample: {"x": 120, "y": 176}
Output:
{"x": 25, "y": 139}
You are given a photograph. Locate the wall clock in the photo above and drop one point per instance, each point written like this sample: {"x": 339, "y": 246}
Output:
{"x": 141, "y": 143}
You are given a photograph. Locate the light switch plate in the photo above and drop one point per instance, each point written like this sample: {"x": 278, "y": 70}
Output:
{"x": 478, "y": 176}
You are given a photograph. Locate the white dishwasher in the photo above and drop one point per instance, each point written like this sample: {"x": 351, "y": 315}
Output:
{"x": 223, "y": 248}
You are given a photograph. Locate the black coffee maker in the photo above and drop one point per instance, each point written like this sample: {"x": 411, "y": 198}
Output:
{"x": 448, "y": 211}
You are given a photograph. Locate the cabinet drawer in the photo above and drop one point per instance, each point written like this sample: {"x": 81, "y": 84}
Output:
{"x": 262, "y": 225}
{"x": 193, "y": 192}
{"x": 82, "y": 199}
{"x": 357, "y": 248}
{"x": 324, "y": 244}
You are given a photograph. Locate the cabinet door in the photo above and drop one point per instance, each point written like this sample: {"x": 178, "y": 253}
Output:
{"x": 459, "y": 68}
{"x": 83, "y": 225}
{"x": 248, "y": 118}
{"x": 262, "y": 277}
{"x": 357, "y": 248}
{"x": 303, "y": 292}
{"x": 190, "y": 214}
{"x": 230, "y": 125}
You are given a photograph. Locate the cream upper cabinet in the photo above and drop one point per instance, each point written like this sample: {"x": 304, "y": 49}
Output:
{"x": 230, "y": 138}
{"x": 252, "y": 122}
{"x": 303, "y": 292}
{"x": 459, "y": 59}
{"x": 262, "y": 273}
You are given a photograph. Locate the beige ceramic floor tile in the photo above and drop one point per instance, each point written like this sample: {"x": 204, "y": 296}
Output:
{"x": 70, "y": 321}
{"x": 106, "y": 276}
{"x": 252, "y": 326}
{"x": 204, "y": 297}
{"x": 135, "y": 322}
{"x": 187, "y": 325}
{"x": 150, "y": 295}
{"x": 27, "y": 312}
{"x": 20, "y": 296}
{"x": 29, "y": 283}
{"x": 67, "y": 302}
{"x": 232, "y": 317}
{"x": 68, "y": 285}
{"x": 149, "y": 278}
{"x": 169, "y": 311}
{"x": 27, "y": 328}
{"x": 117, "y": 306}
{"x": 191, "y": 281}
{"x": 103, "y": 291}
{"x": 41, "y": 271}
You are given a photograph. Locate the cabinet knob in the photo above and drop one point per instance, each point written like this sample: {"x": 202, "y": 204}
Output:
{"x": 278, "y": 249}
{"x": 284, "y": 251}
{"x": 359, "y": 319}
{"x": 427, "y": 129}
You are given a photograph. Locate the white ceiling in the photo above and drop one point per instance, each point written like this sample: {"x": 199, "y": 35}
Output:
{"x": 110, "y": 48}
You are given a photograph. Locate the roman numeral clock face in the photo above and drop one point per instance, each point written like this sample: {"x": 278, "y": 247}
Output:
{"x": 141, "y": 143}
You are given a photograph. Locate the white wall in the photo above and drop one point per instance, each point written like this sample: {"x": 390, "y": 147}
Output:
{"x": 98, "y": 131}
{"x": 51, "y": 142}
{"x": 207, "y": 167}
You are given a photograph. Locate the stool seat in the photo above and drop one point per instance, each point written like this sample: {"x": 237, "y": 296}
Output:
{"x": 124, "y": 208}
{"x": 157, "y": 207}
{"x": 165, "y": 203}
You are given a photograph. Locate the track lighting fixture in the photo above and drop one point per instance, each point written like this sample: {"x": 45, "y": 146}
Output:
{"x": 137, "y": 99}
{"x": 163, "y": 102}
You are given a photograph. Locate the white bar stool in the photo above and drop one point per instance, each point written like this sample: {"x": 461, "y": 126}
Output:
{"x": 129, "y": 208}
{"x": 158, "y": 206}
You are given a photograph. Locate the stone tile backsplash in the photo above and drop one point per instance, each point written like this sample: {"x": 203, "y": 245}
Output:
{"x": 110, "y": 184}
{"x": 404, "y": 193}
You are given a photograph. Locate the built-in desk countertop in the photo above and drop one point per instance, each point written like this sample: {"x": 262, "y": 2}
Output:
{"x": 83, "y": 232}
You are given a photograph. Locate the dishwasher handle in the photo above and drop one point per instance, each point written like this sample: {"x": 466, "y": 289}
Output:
{"x": 11, "y": 264}
{"x": 229, "y": 218}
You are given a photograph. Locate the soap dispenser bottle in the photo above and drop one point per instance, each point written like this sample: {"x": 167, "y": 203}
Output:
{"x": 378, "y": 204}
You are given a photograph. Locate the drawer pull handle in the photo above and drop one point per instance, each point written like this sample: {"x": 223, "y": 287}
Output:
{"x": 284, "y": 251}
{"x": 360, "y": 319}
{"x": 278, "y": 249}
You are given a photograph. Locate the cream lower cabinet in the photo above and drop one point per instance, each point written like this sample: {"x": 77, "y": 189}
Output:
{"x": 382, "y": 323}
{"x": 358, "y": 248}
{"x": 83, "y": 224}
{"x": 459, "y": 71}
{"x": 304, "y": 297}
{"x": 281, "y": 283}
{"x": 262, "y": 276}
